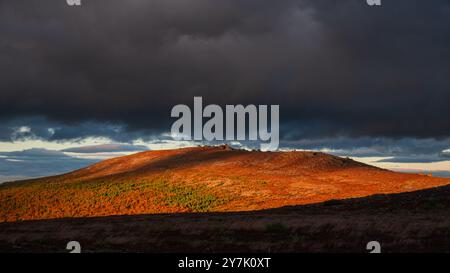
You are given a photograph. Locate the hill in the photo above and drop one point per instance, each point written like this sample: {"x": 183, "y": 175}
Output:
{"x": 201, "y": 179}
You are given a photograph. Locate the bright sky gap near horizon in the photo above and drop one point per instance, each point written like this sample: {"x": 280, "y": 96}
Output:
{"x": 83, "y": 84}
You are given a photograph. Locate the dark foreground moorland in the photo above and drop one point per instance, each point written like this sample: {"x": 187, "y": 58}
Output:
{"x": 407, "y": 222}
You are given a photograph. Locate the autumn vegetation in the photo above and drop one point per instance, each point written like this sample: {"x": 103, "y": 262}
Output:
{"x": 201, "y": 179}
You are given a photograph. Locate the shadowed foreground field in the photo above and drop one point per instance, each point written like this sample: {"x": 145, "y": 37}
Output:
{"x": 407, "y": 222}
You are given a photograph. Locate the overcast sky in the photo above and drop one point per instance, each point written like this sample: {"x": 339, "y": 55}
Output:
{"x": 349, "y": 78}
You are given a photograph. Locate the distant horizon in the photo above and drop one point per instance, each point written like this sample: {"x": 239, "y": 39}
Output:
{"x": 83, "y": 156}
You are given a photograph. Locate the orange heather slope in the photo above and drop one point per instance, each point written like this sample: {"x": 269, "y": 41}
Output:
{"x": 201, "y": 179}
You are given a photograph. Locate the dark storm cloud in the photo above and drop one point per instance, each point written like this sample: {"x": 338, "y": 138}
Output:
{"x": 38, "y": 127}
{"x": 369, "y": 146}
{"x": 335, "y": 67}
{"x": 405, "y": 150}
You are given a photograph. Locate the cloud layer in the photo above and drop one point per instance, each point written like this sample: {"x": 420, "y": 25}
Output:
{"x": 335, "y": 67}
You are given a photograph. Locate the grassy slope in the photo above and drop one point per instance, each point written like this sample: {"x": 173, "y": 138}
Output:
{"x": 201, "y": 179}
